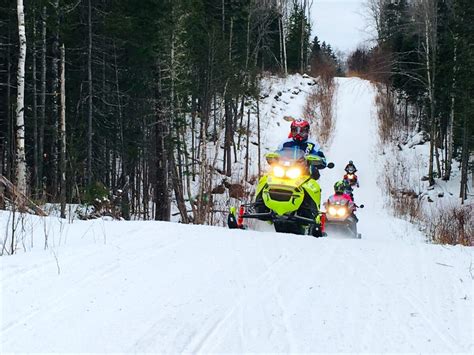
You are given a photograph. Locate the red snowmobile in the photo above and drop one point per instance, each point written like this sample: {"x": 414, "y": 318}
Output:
{"x": 340, "y": 214}
{"x": 352, "y": 179}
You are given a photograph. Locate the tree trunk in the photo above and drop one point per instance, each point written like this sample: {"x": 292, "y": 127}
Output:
{"x": 20, "y": 108}
{"x": 53, "y": 169}
{"x": 464, "y": 159}
{"x": 228, "y": 140}
{"x": 36, "y": 158}
{"x": 303, "y": 10}
{"x": 450, "y": 125}
{"x": 280, "y": 34}
{"x": 247, "y": 148}
{"x": 162, "y": 201}
{"x": 62, "y": 135}
{"x": 258, "y": 137}
{"x": 179, "y": 192}
{"x": 285, "y": 57}
{"x": 429, "y": 18}
{"x": 230, "y": 38}
{"x": 42, "y": 117}
{"x": 10, "y": 134}
{"x": 431, "y": 98}
{"x": 89, "y": 83}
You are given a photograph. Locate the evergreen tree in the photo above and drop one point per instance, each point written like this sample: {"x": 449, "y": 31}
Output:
{"x": 298, "y": 33}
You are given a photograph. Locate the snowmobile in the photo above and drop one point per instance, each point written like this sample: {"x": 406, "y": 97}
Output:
{"x": 340, "y": 214}
{"x": 287, "y": 196}
{"x": 352, "y": 179}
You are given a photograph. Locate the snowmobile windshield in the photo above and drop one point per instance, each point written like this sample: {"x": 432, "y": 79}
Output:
{"x": 292, "y": 155}
{"x": 338, "y": 200}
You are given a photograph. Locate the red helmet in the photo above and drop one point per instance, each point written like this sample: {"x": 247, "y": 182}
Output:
{"x": 299, "y": 130}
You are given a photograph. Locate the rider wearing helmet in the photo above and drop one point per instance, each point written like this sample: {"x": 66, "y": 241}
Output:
{"x": 350, "y": 168}
{"x": 340, "y": 192}
{"x": 351, "y": 177}
{"x": 298, "y": 137}
{"x": 339, "y": 187}
{"x": 341, "y": 195}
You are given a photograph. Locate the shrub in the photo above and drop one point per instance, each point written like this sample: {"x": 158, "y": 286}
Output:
{"x": 319, "y": 109}
{"x": 453, "y": 225}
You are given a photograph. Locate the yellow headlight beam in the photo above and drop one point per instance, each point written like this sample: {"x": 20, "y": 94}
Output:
{"x": 341, "y": 212}
{"x": 278, "y": 171}
{"x": 293, "y": 173}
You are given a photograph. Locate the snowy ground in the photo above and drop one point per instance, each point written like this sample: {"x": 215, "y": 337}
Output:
{"x": 107, "y": 286}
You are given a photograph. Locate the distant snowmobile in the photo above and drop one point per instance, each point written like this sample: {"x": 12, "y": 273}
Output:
{"x": 350, "y": 175}
{"x": 352, "y": 179}
{"x": 340, "y": 211}
{"x": 287, "y": 196}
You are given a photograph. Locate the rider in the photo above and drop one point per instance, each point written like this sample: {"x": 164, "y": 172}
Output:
{"x": 340, "y": 191}
{"x": 348, "y": 190}
{"x": 298, "y": 137}
{"x": 350, "y": 168}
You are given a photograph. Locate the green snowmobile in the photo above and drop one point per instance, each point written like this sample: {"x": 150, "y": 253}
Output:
{"x": 287, "y": 195}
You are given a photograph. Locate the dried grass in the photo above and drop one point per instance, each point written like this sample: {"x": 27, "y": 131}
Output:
{"x": 386, "y": 113}
{"x": 402, "y": 198}
{"x": 442, "y": 224}
{"x": 453, "y": 225}
{"x": 318, "y": 109}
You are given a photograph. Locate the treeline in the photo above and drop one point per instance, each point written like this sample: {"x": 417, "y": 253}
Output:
{"x": 425, "y": 56}
{"x": 124, "y": 96}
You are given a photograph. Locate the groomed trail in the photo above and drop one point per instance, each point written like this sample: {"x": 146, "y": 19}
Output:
{"x": 164, "y": 287}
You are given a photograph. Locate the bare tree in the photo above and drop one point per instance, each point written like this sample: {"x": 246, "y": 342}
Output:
{"x": 427, "y": 11}
{"x": 62, "y": 135}
{"x": 42, "y": 101}
{"x": 89, "y": 81}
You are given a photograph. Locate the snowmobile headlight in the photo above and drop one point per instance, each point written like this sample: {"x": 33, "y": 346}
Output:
{"x": 350, "y": 176}
{"x": 341, "y": 212}
{"x": 332, "y": 211}
{"x": 293, "y": 173}
{"x": 278, "y": 171}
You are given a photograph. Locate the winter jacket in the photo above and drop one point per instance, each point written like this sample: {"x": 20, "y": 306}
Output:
{"x": 309, "y": 147}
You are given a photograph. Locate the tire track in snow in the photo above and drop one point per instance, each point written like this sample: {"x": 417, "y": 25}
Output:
{"x": 258, "y": 289}
{"x": 413, "y": 303}
{"x": 101, "y": 271}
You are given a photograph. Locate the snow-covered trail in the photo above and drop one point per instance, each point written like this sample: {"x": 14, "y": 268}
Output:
{"x": 164, "y": 287}
{"x": 356, "y": 139}
{"x": 161, "y": 287}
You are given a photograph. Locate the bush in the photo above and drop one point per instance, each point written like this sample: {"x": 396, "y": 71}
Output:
{"x": 454, "y": 225}
{"x": 95, "y": 191}
{"x": 319, "y": 109}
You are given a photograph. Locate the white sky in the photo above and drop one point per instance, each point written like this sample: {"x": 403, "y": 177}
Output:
{"x": 341, "y": 23}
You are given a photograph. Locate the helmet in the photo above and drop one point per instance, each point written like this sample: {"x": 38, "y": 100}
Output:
{"x": 299, "y": 130}
{"x": 339, "y": 187}
{"x": 350, "y": 162}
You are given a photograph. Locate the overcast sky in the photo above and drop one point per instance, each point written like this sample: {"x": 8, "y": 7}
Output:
{"x": 341, "y": 23}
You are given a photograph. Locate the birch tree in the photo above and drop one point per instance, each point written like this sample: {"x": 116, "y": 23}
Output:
{"x": 20, "y": 104}
{"x": 428, "y": 15}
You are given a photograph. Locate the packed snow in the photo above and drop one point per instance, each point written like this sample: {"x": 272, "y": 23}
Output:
{"x": 116, "y": 286}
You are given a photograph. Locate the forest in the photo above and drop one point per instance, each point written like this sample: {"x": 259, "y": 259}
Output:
{"x": 120, "y": 98}
{"x": 424, "y": 59}
{"x": 112, "y": 90}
